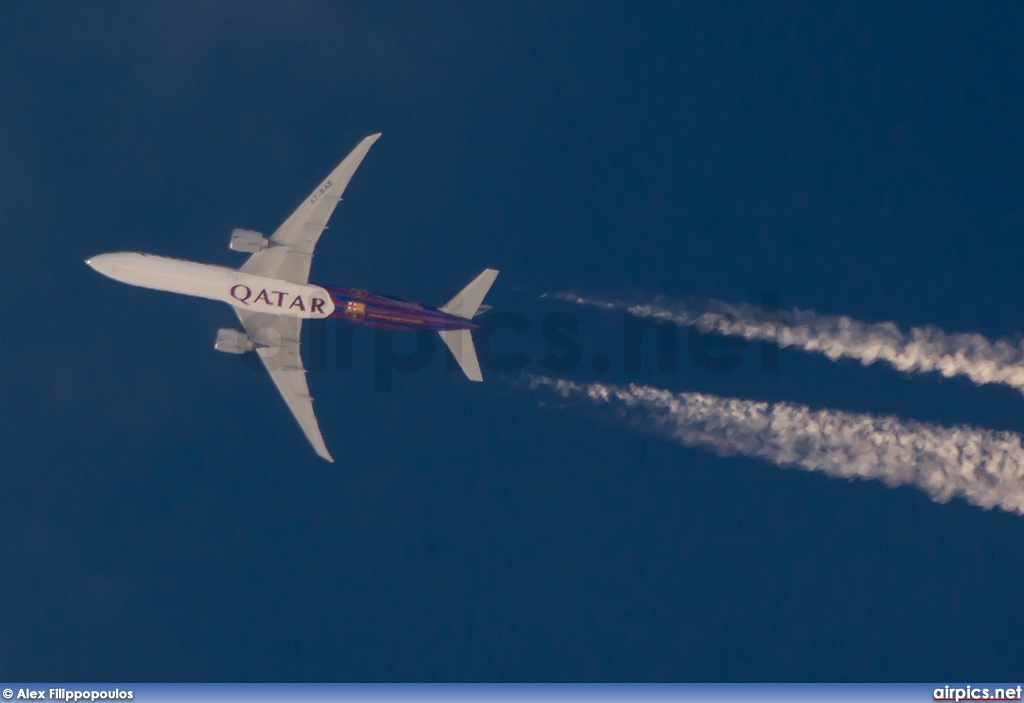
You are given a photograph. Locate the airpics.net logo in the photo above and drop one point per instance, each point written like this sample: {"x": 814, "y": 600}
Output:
{"x": 977, "y": 693}
{"x": 510, "y": 343}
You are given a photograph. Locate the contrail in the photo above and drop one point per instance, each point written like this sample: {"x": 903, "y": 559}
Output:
{"x": 982, "y": 466}
{"x": 921, "y": 350}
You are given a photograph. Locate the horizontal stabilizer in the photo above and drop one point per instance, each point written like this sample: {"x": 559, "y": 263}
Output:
{"x": 460, "y": 342}
{"x": 466, "y": 303}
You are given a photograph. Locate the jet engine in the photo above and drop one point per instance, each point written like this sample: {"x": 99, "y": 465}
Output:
{"x": 248, "y": 241}
{"x": 232, "y": 341}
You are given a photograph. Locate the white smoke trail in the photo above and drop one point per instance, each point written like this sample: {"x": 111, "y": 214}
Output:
{"x": 921, "y": 350}
{"x": 982, "y": 466}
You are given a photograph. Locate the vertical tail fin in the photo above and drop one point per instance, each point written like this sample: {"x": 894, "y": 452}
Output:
{"x": 466, "y": 304}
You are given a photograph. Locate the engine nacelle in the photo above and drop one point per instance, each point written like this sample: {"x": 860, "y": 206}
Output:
{"x": 232, "y": 341}
{"x": 248, "y": 241}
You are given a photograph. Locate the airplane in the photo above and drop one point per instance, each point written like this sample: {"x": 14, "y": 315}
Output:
{"x": 272, "y": 295}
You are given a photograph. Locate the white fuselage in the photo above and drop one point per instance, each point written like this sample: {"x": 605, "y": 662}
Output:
{"x": 236, "y": 288}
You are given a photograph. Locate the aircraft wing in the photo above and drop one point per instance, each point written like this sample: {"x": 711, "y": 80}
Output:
{"x": 297, "y": 236}
{"x": 277, "y": 338}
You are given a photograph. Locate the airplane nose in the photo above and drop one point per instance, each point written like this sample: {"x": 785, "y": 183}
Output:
{"x": 102, "y": 263}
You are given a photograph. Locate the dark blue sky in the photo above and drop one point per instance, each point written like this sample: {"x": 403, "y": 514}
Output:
{"x": 164, "y": 518}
